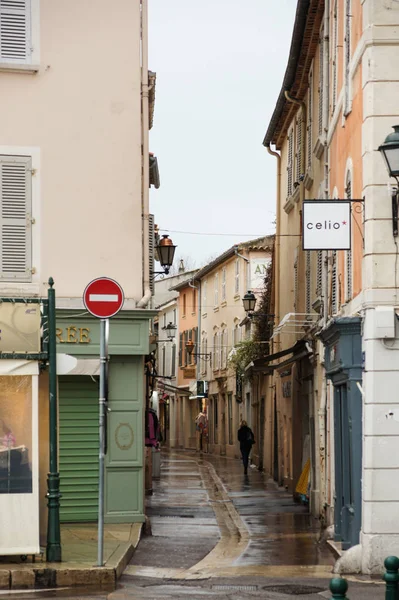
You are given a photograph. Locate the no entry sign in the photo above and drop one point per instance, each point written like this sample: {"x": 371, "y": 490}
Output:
{"x": 103, "y": 297}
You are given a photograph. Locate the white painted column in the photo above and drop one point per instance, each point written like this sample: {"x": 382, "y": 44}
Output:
{"x": 380, "y": 503}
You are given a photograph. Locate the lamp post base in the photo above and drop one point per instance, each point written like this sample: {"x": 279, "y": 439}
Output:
{"x": 53, "y": 549}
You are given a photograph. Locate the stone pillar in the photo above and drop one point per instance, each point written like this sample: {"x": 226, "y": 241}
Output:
{"x": 380, "y": 502}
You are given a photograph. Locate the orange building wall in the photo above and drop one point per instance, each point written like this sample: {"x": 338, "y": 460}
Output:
{"x": 188, "y": 319}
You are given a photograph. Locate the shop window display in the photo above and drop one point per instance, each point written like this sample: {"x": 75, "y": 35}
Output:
{"x": 15, "y": 435}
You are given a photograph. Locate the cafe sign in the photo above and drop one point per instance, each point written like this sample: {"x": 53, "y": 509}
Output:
{"x": 326, "y": 225}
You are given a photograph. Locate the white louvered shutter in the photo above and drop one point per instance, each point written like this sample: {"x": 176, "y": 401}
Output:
{"x": 308, "y": 286}
{"x": 16, "y": 218}
{"x": 319, "y": 273}
{"x": 151, "y": 250}
{"x": 349, "y": 282}
{"x": 334, "y": 283}
{"x": 15, "y": 31}
{"x": 321, "y": 82}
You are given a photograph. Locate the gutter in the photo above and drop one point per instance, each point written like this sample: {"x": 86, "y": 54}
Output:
{"x": 289, "y": 77}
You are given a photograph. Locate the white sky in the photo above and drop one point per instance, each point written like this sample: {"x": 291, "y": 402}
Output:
{"x": 220, "y": 66}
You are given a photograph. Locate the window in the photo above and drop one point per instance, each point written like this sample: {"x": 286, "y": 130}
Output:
{"x": 237, "y": 277}
{"x": 164, "y": 320}
{"x": 194, "y": 337}
{"x": 216, "y": 289}
{"x": 215, "y": 351}
{"x": 204, "y": 295}
{"x": 15, "y": 31}
{"x": 184, "y": 305}
{"x": 174, "y": 316}
{"x": 224, "y": 349}
{"x": 298, "y": 154}
{"x": 224, "y": 284}
{"x": 194, "y": 301}
{"x": 236, "y": 339}
{"x": 188, "y": 338}
{"x": 349, "y": 285}
{"x": 290, "y": 161}
{"x": 310, "y": 119}
{"x": 16, "y": 218}
{"x": 321, "y": 81}
{"x": 173, "y": 365}
{"x": 347, "y": 54}
{"x": 334, "y": 57}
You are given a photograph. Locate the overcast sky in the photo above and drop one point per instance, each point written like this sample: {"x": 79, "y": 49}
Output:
{"x": 220, "y": 66}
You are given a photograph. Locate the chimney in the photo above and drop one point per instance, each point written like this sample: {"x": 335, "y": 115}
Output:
{"x": 181, "y": 266}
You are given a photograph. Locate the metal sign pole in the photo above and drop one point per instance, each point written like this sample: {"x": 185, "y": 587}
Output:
{"x": 104, "y": 331}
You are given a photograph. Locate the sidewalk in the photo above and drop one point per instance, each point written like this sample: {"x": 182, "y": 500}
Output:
{"x": 79, "y": 558}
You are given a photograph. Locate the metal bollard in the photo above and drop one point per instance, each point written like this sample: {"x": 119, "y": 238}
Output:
{"x": 391, "y": 578}
{"x": 338, "y": 588}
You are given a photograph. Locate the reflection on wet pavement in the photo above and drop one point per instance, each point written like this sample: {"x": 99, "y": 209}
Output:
{"x": 208, "y": 519}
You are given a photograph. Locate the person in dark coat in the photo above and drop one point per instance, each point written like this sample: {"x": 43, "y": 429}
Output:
{"x": 247, "y": 440}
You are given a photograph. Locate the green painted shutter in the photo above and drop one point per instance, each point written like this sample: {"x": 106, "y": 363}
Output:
{"x": 78, "y": 407}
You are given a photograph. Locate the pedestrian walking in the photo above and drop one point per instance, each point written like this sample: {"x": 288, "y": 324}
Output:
{"x": 247, "y": 440}
{"x": 201, "y": 423}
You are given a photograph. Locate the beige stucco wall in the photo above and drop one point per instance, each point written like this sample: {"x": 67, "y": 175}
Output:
{"x": 80, "y": 117}
{"x": 216, "y": 317}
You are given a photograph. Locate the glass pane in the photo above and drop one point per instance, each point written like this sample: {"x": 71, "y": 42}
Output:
{"x": 392, "y": 160}
{"x": 15, "y": 435}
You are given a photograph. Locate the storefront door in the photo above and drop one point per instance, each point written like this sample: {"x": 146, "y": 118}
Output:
{"x": 78, "y": 407}
{"x": 347, "y": 463}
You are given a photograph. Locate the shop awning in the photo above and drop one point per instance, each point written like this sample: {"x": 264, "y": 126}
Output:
{"x": 69, "y": 365}
{"x": 172, "y": 388}
{"x": 298, "y": 350}
{"x": 18, "y": 367}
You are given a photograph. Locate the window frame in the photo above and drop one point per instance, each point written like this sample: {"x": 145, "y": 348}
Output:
{"x": 32, "y": 61}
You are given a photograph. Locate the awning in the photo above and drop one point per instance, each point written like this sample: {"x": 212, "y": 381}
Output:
{"x": 172, "y": 388}
{"x": 18, "y": 367}
{"x": 70, "y": 365}
{"x": 299, "y": 350}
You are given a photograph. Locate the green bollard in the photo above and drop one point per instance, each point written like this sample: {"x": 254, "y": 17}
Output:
{"x": 338, "y": 588}
{"x": 391, "y": 578}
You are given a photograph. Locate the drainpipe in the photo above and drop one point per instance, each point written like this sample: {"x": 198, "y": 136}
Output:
{"x": 322, "y": 412}
{"x": 276, "y": 267}
{"x": 145, "y": 167}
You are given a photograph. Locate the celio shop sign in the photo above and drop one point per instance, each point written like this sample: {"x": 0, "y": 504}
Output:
{"x": 326, "y": 225}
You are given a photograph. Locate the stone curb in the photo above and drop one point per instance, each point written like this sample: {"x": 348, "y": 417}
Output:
{"x": 42, "y": 577}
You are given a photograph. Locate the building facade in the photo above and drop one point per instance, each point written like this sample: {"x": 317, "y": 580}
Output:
{"x": 75, "y": 207}
{"x": 335, "y": 397}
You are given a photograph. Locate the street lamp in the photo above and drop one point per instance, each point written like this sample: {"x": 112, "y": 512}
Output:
{"x": 390, "y": 153}
{"x": 170, "y": 332}
{"x": 249, "y": 302}
{"x": 190, "y": 349}
{"x": 166, "y": 253}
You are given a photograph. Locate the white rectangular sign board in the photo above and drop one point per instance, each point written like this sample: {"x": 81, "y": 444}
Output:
{"x": 326, "y": 225}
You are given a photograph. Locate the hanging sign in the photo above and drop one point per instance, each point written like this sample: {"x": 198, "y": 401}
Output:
{"x": 326, "y": 225}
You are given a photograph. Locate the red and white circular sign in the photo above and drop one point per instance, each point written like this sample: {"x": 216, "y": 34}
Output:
{"x": 103, "y": 297}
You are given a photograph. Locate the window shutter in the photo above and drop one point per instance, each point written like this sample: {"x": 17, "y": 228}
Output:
{"x": 319, "y": 273}
{"x": 298, "y": 148}
{"x": 308, "y": 283}
{"x": 173, "y": 365}
{"x": 310, "y": 119}
{"x": 321, "y": 81}
{"x": 237, "y": 277}
{"x": 16, "y": 218}
{"x": 335, "y": 57}
{"x": 349, "y": 286}
{"x": 15, "y": 26}
{"x": 348, "y": 25}
{"x": 195, "y": 340}
{"x": 290, "y": 162}
{"x": 151, "y": 244}
{"x": 334, "y": 284}
{"x": 296, "y": 281}
{"x": 181, "y": 350}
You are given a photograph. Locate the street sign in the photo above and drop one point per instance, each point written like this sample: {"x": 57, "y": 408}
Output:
{"x": 103, "y": 297}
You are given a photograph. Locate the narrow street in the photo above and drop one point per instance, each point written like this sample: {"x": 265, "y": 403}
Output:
{"x": 217, "y": 533}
